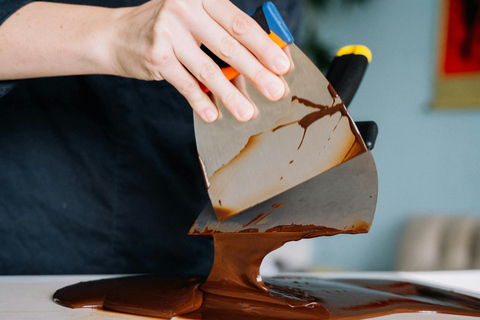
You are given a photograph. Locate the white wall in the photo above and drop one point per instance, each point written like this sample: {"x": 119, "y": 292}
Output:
{"x": 428, "y": 161}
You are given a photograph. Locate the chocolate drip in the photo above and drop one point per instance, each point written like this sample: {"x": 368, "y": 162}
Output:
{"x": 310, "y": 118}
{"x": 324, "y": 110}
{"x": 262, "y": 216}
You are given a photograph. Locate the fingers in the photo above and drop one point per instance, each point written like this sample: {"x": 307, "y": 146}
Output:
{"x": 240, "y": 41}
{"x": 235, "y": 54}
{"x": 243, "y": 28}
{"x": 235, "y": 38}
{"x": 287, "y": 89}
{"x": 174, "y": 72}
{"x": 289, "y": 55}
{"x": 240, "y": 83}
{"x": 206, "y": 71}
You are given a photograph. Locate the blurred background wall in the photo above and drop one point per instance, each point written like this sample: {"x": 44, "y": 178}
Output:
{"x": 428, "y": 161}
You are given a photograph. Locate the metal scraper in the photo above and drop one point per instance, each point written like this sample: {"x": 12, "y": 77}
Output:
{"x": 300, "y": 161}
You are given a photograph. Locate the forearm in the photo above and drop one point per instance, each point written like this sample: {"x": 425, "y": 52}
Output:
{"x": 158, "y": 40}
{"x": 49, "y": 39}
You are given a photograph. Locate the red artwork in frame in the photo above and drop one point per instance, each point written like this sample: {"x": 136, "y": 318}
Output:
{"x": 458, "y": 75}
{"x": 462, "y": 49}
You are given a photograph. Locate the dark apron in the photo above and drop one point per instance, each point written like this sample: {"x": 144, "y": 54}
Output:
{"x": 99, "y": 174}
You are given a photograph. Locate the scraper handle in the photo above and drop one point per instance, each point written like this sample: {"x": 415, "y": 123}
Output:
{"x": 345, "y": 74}
{"x": 347, "y": 69}
{"x": 268, "y": 17}
{"x": 369, "y": 131}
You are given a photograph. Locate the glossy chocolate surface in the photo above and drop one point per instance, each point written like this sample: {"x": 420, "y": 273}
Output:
{"x": 235, "y": 290}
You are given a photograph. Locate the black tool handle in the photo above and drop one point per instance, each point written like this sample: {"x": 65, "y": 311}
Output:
{"x": 368, "y": 131}
{"x": 347, "y": 69}
{"x": 345, "y": 74}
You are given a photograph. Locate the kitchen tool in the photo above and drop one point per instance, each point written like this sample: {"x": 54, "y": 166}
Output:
{"x": 302, "y": 158}
{"x": 345, "y": 75}
{"x": 342, "y": 198}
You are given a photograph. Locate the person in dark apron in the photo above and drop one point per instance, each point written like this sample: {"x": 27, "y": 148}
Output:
{"x": 99, "y": 173}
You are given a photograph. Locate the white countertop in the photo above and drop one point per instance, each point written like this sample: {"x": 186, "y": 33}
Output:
{"x": 29, "y": 297}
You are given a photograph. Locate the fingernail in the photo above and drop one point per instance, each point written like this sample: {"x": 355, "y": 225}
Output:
{"x": 210, "y": 114}
{"x": 276, "y": 89}
{"x": 245, "y": 111}
{"x": 282, "y": 64}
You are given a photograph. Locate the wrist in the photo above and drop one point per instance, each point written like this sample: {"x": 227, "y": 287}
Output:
{"x": 101, "y": 42}
{"x": 129, "y": 40}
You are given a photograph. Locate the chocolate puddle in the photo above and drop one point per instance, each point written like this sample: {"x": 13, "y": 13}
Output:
{"x": 235, "y": 290}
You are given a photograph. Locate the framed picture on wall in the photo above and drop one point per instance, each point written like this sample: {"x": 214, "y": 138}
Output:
{"x": 458, "y": 67}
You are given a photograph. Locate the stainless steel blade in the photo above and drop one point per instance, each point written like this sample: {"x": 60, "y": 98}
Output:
{"x": 289, "y": 142}
{"x": 343, "y": 198}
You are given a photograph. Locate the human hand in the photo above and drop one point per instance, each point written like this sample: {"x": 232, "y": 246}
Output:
{"x": 161, "y": 40}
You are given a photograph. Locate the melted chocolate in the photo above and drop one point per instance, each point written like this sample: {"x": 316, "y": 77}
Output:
{"x": 235, "y": 290}
{"x": 287, "y": 298}
{"x": 263, "y": 216}
{"x": 324, "y": 110}
{"x": 222, "y": 212}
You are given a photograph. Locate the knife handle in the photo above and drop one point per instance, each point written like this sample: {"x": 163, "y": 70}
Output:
{"x": 347, "y": 69}
{"x": 268, "y": 17}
